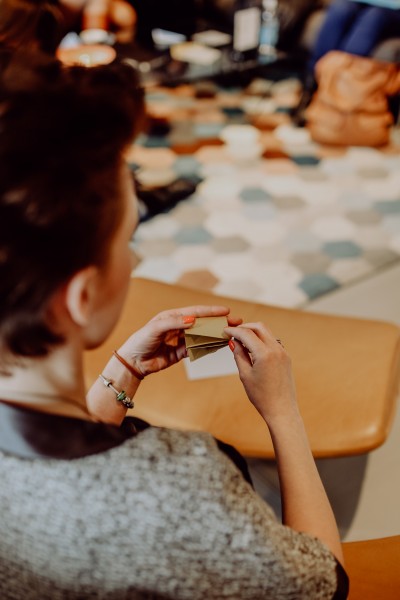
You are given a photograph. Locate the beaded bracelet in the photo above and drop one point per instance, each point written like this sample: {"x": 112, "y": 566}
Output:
{"x": 121, "y": 396}
{"x": 130, "y": 368}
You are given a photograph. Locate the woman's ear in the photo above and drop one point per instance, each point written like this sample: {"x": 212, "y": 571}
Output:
{"x": 81, "y": 295}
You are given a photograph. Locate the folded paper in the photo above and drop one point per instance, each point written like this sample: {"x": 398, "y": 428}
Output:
{"x": 207, "y": 335}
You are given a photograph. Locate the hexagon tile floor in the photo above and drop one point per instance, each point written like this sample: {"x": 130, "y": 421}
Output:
{"x": 296, "y": 223}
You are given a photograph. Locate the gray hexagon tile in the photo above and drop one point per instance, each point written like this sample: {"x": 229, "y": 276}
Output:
{"x": 254, "y": 195}
{"x": 288, "y": 202}
{"x": 364, "y": 217}
{"x": 234, "y": 243}
{"x": 311, "y": 262}
{"x": 342, "y": 249}
{"x": 192, "y": 235}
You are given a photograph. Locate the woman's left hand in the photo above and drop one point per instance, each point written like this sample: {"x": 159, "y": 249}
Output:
{"x": 160, "y": 343}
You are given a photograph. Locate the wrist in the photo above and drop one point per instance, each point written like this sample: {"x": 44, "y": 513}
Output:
{"x": 282, "y": 420}
{"x": 129, "y": 366}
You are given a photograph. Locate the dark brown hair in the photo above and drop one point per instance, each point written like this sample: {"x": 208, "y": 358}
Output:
{"x": 62, "y": 135}
{"x": 31, "y": 23}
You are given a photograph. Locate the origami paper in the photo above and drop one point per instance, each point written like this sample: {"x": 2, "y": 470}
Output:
{"x": 207, "y": 335}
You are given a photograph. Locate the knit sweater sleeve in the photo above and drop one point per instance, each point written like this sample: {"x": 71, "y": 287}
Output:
{"x": 165, "y": 514}
{"x": 224, "y": 537}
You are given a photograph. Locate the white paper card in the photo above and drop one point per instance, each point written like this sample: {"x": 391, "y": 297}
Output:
{"x": 192, "y": 52}
{"x": 212, "y": 37}
{"x": 218, "y": 364}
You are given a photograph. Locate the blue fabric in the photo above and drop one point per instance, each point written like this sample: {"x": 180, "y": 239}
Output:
{"x": 354, "y": 27}
{"x": 382, "y": 3}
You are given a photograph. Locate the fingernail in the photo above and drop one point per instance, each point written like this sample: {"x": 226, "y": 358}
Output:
{"x": 231, "y": 345}
{"x": 188, "y": 319}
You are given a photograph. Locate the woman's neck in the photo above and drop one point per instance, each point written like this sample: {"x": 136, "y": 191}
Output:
{"x": 53, "y": 384}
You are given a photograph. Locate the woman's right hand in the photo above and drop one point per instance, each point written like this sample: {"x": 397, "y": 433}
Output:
{"x": 264, "y": 369}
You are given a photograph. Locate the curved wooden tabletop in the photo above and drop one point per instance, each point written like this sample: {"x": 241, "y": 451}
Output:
{"x": 346, "y": 370}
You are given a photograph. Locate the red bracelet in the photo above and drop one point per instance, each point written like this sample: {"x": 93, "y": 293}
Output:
{"x": 130, "y": 368}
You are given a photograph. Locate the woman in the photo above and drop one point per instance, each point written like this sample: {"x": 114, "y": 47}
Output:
{"x": 93, "y": 505}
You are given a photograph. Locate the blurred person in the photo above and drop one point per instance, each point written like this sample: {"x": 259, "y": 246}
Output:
{"x": 352, "y": 26}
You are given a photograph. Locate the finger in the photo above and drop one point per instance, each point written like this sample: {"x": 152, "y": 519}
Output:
{"x": 198, "y": 310}
{"x": 170, "y": 326}
{"x": 181, "y": 352}
{"x": 234, "y": 321}
{"x": 263, "y": 332}
{"x": 249, "y": 338}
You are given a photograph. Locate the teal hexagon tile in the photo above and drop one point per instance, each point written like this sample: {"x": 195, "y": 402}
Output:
{"x": 305, "y": 160}
{"x": 254, "y": 194}
{"x": 364, "y": 217}
{"x": 258, "y": 212}
{"x": 311, "y": 262}
{"x": 160, "y": 269}
{"x": 379, "y": 257}
{"x": 155, "y": 141}
{"x": 349, "y": 269}
{"x": 373, "y": 172}
{"x": 288, "y": 202}
{"x": 208, "y": 130}
{"x": 186, "y": 165}
{"x": 234, "y": 113}
{"x": 316, "y": 284}
{"x": 342, "y": 249}
{"x": 387, "y": 206}
{"x": 141, "y": 139}
{"x": 233, "y": 243}
{"x": 192, "y": 235}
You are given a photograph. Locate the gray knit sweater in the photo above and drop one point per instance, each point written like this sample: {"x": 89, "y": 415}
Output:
{"x": 165, "y": 514}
